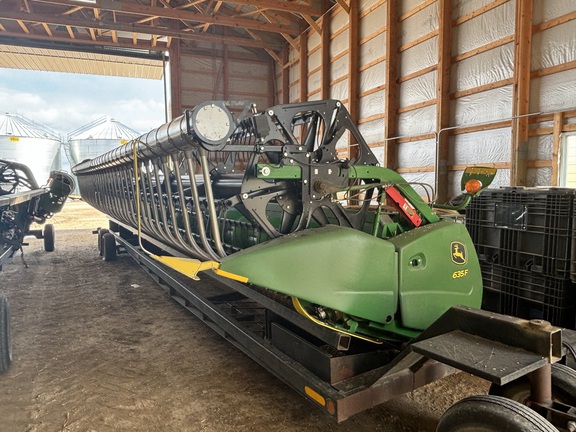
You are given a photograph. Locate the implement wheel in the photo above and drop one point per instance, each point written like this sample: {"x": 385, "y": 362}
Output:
{"x": 49, "y": 237}
{"x": 109, "y": 252}
{"x": 492, "y": 414}
{"x": 5, "y": 345}
{"x": 101, "y": 233}
{"x": 563, "y": 387}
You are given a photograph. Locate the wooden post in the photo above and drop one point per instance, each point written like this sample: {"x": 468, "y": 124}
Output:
{"x": 226, "y": 74}
{"x": 285, "y": 75}
{"x": 175, "y": 79}
{"x": 353, "y": 74}
{"x": 325, "y": 84}
{"x": 443, "y": 98}
{"x": 272, "y": 98}
{"x": 303, "y": 67}
{"x": 392, "y": 88}
{"x": 558, "y": 123}
{"x": 521, "y": 96}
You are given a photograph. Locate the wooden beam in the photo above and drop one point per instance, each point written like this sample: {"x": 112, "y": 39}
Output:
{"x": 325, "y": 54}
{"x": 175, "y": 79}
{"x": 226, "y": 73}
{"x": 203, "y": 18}
{"x": 102, "y": 24}
{"x": 285, "y": 75}
{"x": 291, "y": 41}
{"x": 443, "y": 99}
{"x": 303, "y": 67}
{"x": 521, "y": 94}
{"x": 353, "y": 73}
{"x": 344, "y": 5}
{"x": 72, "y": 10}
{"x": 571, "y": 16}
{"x": 272, "y": 98}
{"x": 556, "y": 140}
{"x": 392, "y": 93}
{"x": 312, "y": 24}
{"x": 71, "y": 32}
{"x": 23, "y": 26}
{"x": 47, "y": 29}
{"x": 278, "y": 5}
{"x": 477, "y": 12}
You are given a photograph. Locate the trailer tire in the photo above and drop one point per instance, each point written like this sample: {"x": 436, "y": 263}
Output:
{"x": 109, "y": 252}
{"x": 563, "y": 387}
{"x": 492, "y": 414}
{"x": 49, "y": 236}
{"x": 5, "y": 343}
{"x": 101, "y": 233}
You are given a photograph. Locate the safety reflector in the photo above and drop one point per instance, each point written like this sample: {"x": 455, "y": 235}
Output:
{"x": 314, "y": 395}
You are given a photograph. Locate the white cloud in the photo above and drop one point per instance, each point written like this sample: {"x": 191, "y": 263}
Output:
{"x": 65, "y": 102}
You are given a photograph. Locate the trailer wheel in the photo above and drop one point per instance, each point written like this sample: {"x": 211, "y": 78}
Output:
{"x": 5, "y": 345}
{"x": 563, "y": 387}
{"x": 492, "y": 414}
{"x": 101, "y": 233}
{"x": 49, "y": 236}
{"x": 109, "y": 247}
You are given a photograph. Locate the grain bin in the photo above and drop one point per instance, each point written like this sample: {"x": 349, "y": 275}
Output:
{"x": 95, "y": 138}
{"x": 30, "y": 143}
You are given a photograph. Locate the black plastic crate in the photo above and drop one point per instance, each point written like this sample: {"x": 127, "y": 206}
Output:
{"x": 510, "y": 304}
{"x": 528, "y": 229}
{"x": 528, "y": 295}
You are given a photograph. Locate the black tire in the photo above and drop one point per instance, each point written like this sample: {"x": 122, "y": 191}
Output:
{"x": 5, "y": 344}
{"x": 109, "y": 252}
{"x": 49, "y": 236}
{"x": 563, "y": 387}
{"x": 564, "y": 384}
{"x": 101, "y": 233}
{"x": 492, "y": 414}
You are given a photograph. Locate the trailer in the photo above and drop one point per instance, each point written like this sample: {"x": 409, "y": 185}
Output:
{"x": 333, "y": 273}
{"x": 22, "y": 203}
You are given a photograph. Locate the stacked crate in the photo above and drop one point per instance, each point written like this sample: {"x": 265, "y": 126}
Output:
{"x": 526, "y": 245}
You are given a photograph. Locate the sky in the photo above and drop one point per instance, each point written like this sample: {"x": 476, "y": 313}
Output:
{"x": 64, "y": 102}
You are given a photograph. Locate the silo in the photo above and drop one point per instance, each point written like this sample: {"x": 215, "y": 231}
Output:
{"x": 96, "y": 138}
{"x": 30, "y": 143}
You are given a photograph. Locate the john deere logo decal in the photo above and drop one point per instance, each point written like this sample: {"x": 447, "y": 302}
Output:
{"x": 458, "y": 253}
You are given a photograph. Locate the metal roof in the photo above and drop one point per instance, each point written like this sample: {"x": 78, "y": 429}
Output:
{"x": 55, "y": 60}
{"x": 105, "y": 128}
{"x": 18, "y": 126}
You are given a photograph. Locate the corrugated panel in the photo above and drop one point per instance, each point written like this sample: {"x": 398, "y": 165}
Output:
{"x": 16, "y": 57}
{"x": 104, "y": 128}
{"x": 18, "y": 126}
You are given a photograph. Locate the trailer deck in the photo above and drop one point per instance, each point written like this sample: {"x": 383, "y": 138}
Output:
{"x": 340, "y": 374}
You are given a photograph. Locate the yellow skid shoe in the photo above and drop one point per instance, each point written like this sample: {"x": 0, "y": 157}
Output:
{"x": 190, "y": 267}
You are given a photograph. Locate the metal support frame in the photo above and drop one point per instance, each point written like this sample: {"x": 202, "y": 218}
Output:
{"x": 378, "y": 374}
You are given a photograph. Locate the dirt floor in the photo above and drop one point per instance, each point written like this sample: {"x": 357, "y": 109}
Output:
{"x": 99, "y": 346}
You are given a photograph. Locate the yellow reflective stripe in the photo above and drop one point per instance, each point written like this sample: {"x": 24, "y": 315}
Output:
{"x": 315, "y": 395}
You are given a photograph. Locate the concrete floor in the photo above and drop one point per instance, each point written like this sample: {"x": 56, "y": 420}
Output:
{"x": 100, "y": 347}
